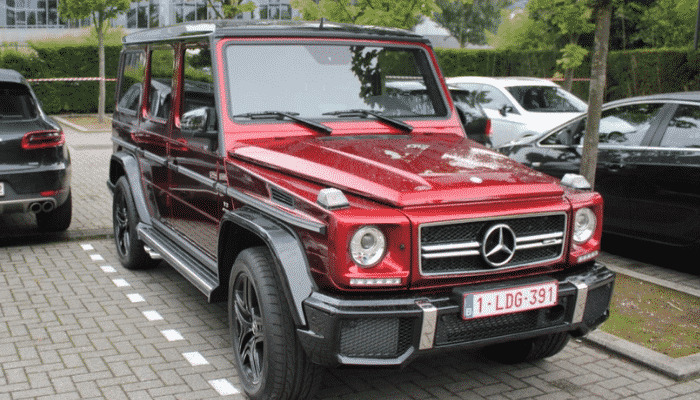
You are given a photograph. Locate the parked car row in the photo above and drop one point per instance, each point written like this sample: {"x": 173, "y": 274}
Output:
{"x": 648, "y": 169}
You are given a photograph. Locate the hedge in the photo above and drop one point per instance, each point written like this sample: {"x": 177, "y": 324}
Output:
{"x": 630, "y": 73}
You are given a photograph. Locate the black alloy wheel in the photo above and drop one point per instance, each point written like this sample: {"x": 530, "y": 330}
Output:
{"x": 250, "y": 341}
{"x": 125, "y": 219}
{"x": 269, "y": 359}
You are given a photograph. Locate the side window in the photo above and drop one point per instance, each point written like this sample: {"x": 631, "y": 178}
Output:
{"x": 684, "y": 129}
{"x": 492, "y": 98}
{"x": 571, "y": 134}
{"x": 199, "y": 116}
{"x": 160, "y": 93}
{"x": 134, "y": 65}
{"x": 627, "y": 125}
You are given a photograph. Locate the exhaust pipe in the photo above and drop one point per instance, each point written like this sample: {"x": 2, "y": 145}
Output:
{"x": 47, "y": 206}
{"x": 35, "y": 207}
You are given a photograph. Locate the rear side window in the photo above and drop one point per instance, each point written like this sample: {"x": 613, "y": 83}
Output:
{"x": 683, "y": 130}
{"x": 160, "y": 94}
{"x": 627, "y": 125}
{"x": 17, "y": 102}
{"x": 134, "y": 64}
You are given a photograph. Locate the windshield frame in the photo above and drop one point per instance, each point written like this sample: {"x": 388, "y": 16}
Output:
{"x": 431, "y": 73}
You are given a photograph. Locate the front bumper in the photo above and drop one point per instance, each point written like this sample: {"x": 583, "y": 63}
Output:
{"x": 392, "y": 331}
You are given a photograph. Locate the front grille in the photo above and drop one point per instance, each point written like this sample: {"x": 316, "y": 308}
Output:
{"x": 458, "y": 247}
{"x": 375, "y": 337}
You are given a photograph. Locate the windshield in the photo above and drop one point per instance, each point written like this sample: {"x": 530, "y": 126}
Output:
{"x": 310, "y": 80}
{"x": 17, "y": 102}
{"x": 546, "y": 99}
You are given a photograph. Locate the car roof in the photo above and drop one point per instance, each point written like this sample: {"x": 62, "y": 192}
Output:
{"x": 502, "y": 81}
{"x": 676, "y": 96}
{"x": 10, "y": 75}
{"x": 233, "y": 28}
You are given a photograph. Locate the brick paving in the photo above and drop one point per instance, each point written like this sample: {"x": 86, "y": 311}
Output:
{"x": 74, "y": 324}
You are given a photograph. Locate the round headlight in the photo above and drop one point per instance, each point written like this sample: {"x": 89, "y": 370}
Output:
{"x": 584, "y": 225}
{"x": 367, "y": 246}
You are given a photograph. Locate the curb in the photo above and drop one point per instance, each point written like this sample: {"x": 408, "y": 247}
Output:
{"x": 677, "y": 368}
{"x": 78, "y": 127}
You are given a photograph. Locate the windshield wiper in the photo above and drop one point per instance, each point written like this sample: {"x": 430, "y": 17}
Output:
{"x": 290, "y": 115}
{"x": 364, "y": 113}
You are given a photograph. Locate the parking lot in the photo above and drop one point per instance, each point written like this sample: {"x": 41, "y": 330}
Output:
{"x": 74, "y": 324}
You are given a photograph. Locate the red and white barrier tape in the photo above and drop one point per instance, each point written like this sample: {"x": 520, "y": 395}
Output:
{"x": 70, "y": 79}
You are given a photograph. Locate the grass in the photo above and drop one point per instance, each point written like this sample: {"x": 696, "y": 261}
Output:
{"x": 658, "y": 318}
{"x": 89, "y": 122}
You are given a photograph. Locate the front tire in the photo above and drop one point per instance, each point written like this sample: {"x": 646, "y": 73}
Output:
{"x": 270, "y": 361}
{"x": 125, "y": 219}
{"x": 529, "y": 349}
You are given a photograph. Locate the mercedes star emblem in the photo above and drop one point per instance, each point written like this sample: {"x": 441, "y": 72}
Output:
{"x": 498, "y": 247}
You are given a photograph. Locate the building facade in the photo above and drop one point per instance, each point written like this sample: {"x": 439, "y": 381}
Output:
{"x": 44, "y": 14}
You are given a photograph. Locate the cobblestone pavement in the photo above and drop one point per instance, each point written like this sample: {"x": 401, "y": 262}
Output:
{"x": 74, "y": 324}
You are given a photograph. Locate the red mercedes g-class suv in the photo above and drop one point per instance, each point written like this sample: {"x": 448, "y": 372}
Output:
{"x": 348, "y": 220}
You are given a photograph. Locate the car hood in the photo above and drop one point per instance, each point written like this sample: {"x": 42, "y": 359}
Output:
{"x": 544, "y": 121}
{"x": 402, "y": 170}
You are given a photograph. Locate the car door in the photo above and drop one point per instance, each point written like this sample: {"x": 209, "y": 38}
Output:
{"x": 622, "y": 132}
{"x": 152, "y": 134}
{"x": 506, "y": 122}
{"x": 665, "y": 201}
{"x": 193, "y": 149}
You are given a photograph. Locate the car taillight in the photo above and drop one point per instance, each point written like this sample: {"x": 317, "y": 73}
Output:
{"x": 43, "y": 139}
{"x": 489, "y": 129}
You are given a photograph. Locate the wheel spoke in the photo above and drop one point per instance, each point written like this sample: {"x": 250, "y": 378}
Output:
{"x": 249, "y": 331}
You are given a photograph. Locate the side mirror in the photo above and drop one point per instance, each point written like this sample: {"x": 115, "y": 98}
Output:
{"x": 505, "y": 110}
{"x": 196, "y": 122}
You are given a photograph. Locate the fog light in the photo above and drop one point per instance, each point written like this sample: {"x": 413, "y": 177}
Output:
{"x": 375, "y": 282}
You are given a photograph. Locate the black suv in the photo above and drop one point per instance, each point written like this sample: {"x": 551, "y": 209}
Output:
{"x": 347, "y": 221}
{"x": 35, "y": 167}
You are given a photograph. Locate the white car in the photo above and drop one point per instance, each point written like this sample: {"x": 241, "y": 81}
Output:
{"x": 520, "y": 107}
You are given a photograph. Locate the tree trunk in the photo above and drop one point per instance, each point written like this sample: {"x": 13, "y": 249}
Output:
{"x": 101, "y": 54}
{"x": 568, "y": 79}
{"x": 589, "y": 158}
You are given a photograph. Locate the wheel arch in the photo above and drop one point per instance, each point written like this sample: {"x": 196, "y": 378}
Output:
{"x": 245, "y": 228}
{"x": 125, "y": 164}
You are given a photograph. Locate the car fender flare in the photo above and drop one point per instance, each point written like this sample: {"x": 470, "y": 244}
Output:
{"x": 287, "y": 251}
{"x": 130, "y": 166}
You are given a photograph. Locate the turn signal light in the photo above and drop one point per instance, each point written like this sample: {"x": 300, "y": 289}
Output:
{"x": 43, "y": 139}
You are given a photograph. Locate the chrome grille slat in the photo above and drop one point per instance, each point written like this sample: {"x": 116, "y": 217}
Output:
{"x": 455, "y": 247}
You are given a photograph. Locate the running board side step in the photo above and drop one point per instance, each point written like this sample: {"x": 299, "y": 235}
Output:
{"x": 195, "y": 271}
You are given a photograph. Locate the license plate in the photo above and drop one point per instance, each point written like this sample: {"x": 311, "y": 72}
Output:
{"x": 510, "y": 300}
{"x": 2, "y": 189}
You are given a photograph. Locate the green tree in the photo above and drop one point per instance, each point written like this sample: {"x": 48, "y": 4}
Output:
{"x": 231, "y": 8}
{"x": 669, "y": 23}
{"x": 602, "y": 10}
{"x": 468, "y": 20}
{"x": 100, "y": 11}
{"x": 568, "y": 20}
{"x": 391, "y": 13}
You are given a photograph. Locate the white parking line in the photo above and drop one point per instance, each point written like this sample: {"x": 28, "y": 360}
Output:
{"x": 121, "y": 282}
{"x": 96, "y": 257}
{"x": 135, "y": 298}
{"x": 152, "y": 315}
{"x": 87, "y": 247}
{"x": 224, "y": 387}
{"x": 172, "y": 335}
{"x": 108, "y": 269}
{"x": 195, "y": 359}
